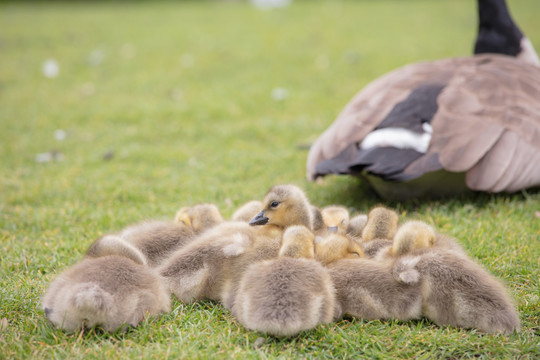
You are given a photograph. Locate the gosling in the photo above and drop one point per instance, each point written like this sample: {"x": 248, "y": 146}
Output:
{"x": 111, "y": 291}
{"x": 287, "y": 295}
{"x": 456, "y": 291}
{"x": 152, "y": 242}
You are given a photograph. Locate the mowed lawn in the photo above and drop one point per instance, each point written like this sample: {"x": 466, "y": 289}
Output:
{"x": 158, "y": 105}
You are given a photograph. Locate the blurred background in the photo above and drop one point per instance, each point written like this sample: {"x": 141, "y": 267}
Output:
{"x": 156, "y": 104}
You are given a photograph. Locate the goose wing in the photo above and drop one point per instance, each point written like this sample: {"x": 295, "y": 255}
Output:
{"x": 488, "y": 124}
{"x": 337, "y": 147}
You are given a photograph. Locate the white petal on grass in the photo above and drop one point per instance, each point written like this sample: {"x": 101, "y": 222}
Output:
{"x": 96, "y": 57}
{"x": 280, "y": 94}
{"x": 50, "y": 68}
{"x": 322, "y": 62}
{"x": 177, "y": 94}
{"x": 53, "y": 155}
{"x": 44, "y": 157}
{"x": 87, "y": 89}
{"x": 187, "y": 60}
{"x": 60, "y": 134}
{"x": 270, "y": 4}
{"x": 128, "y": 51}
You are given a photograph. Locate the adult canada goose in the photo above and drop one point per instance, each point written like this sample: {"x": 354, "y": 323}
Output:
{"x": 109, "y": 291}
{"x": 444, "y": 127}
{"x": 288, "y": 294}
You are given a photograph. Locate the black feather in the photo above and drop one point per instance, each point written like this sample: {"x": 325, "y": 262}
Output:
{"x": 385, "y": 162}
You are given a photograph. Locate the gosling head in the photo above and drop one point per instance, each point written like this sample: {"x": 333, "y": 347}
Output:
{"x": 413, "y": 235}
{"x": 283, "y": 206}
{"x": 336, "y": 218}
{"x": 199, "y": 217}
{"x": 336, "y": 247}
{"x": 381, "y": 224}
{"x": 298, "y": 242}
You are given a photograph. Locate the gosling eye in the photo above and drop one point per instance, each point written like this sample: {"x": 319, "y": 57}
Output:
{"x": 274, "y": 204}
{"x": 355, "y": 254}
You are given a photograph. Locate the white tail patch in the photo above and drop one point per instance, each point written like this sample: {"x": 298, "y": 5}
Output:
{"x": 399, "y": 138}
{"x": 527, "y": 53}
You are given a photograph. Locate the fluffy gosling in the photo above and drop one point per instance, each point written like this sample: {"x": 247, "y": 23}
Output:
{"x": 110, "y": 291}
{"x": 289, "y": 294}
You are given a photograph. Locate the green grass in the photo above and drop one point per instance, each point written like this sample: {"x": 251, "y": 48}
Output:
{"x": 211, "y": 132}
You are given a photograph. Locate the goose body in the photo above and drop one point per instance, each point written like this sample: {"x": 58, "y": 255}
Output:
{"x": 444, "y": 127}
{"x": 286, "y": 295}
{"x": 367, "y": 289}
{"x": 151, "y": 242}
{"x": 109, "y": 291}
{"x": 210, "y": 266}
{"x": 458, "y": 292}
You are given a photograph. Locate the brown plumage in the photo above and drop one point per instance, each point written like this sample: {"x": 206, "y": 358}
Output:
{"x": 289, "y": 294}
{"x": 458, "y": 292}
{"x": 109, "y": 291}
{"x": 475, "y": 123}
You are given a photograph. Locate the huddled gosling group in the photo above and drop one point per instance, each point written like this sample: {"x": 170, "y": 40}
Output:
{"x": 281, "y": 266}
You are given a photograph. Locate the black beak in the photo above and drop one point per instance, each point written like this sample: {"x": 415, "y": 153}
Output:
{"x": 332, "y": 229}
{"x": 259, "y": 219}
